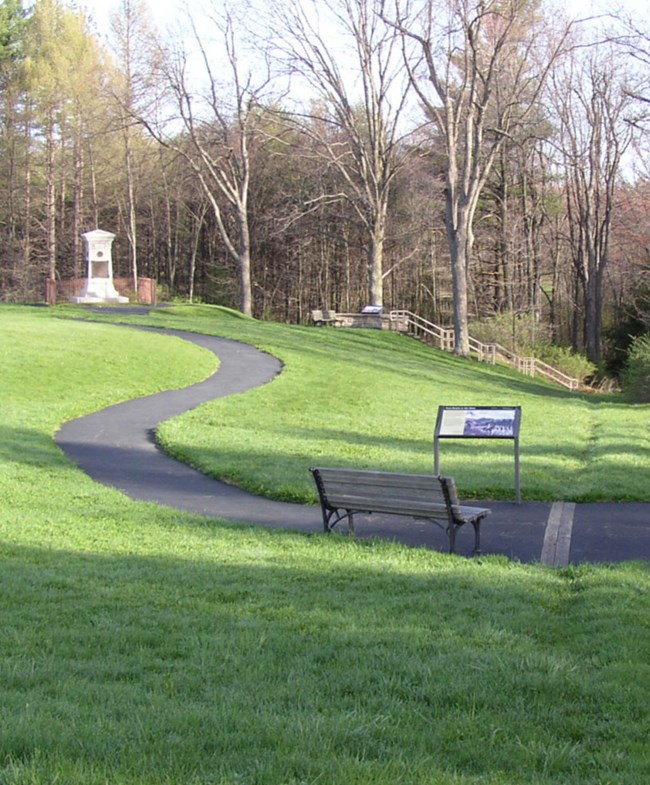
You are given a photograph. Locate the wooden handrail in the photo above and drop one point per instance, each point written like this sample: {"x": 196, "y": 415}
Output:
{"x": 485, "y": 352}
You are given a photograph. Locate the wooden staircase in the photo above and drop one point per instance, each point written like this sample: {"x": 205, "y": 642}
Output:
{"x": 443, "y": 338}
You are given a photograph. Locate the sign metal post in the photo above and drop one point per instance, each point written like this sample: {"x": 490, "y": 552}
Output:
{"x": 479, "y": 422}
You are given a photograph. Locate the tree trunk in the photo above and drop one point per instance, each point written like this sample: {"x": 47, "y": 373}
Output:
{"x": 78, "y": 204}
{"x": 132, "y": 222}
{"x": 376, "y": 262}
{"x": 27, "y": 214}
{"x": 245, "y": 286}
{"x": 460, "y": 248}
{"x": 50, "y": 201}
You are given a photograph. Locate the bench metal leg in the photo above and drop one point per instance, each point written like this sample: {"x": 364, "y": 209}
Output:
{"x": 452, "y": 530}
{"x": 332, "y": 518}
{"x": 477, "y": 537}
{"x": 451, "y": 533}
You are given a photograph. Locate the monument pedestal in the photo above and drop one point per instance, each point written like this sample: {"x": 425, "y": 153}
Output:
{"x": 100, "y": 290}
{"x": 99, "y": 286}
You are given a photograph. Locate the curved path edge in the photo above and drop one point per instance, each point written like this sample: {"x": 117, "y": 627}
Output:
{"x": 116, "y": 446}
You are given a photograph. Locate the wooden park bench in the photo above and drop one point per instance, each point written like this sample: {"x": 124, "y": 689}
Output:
{"x": 345, "y": 492}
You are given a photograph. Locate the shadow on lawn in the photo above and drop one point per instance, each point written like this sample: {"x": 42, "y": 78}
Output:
{"x": 30, "y": 447}
{"x": 596, "y": 472}
{"x": 152, "y": 667}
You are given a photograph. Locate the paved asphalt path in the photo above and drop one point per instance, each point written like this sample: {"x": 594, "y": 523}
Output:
{"x": 116, "y": 446}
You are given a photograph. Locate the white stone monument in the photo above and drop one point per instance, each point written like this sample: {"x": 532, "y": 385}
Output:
{"x": 99, "y": 286}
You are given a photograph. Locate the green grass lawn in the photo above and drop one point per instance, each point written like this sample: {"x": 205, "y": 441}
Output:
{"x": 369, "y": 399}
{"x": 141, "y": 645}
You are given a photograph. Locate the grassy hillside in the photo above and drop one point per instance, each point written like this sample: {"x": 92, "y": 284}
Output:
{"x": 142, "y": 646}
{"x": 369, "y": 399}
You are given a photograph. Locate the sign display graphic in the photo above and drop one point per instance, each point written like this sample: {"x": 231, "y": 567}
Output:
{"x": 479, "y": 422}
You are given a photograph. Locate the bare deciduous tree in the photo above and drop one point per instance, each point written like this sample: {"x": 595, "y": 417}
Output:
{"x": 137, "y": 52}
{"x": 220, "y": 128}
{"x": 352, "y": 59}
{"x": 479, "y": 69}
{"x": 592, "y": 101}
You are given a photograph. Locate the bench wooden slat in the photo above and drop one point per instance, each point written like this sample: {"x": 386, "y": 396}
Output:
{"x": 344, "y": 492}
{"x": 366, "y": 503}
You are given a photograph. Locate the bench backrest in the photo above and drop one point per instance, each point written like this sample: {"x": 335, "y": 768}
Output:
{"x": 425, "y": 495}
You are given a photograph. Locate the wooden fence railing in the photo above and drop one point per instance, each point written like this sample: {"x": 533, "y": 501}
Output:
{"x": 443, "y": 338}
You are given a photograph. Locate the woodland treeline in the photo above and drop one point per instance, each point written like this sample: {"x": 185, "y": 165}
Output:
{"x": 472, "y": 161}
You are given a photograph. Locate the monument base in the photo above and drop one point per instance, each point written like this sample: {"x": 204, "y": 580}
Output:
{"x": 99, "y": 290}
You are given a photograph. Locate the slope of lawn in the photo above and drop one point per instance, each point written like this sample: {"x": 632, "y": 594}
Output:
{"x": 141, "y": 645}
{"x": 369, "y": 399}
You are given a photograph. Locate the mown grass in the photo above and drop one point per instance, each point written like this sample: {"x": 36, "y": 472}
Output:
{"x": 141, "y": 645}
{"x": 367, "y": 399}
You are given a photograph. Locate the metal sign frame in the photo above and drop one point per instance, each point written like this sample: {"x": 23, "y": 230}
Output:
{"x": 479, "y": 422}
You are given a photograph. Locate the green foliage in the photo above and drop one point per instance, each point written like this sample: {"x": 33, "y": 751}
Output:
{"x": 13, "y": 24}
{"x": 565, "y": 360}
{"x": 617, "y": 338}
{"x": 526, "y": 336}
{"x": 519, "y": 332}
{"x": 636, "y": 377}
{"x": 632, "y": 320}
{"x": 64, "y": 60}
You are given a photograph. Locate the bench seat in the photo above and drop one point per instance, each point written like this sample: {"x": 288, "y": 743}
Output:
{"x": 346, "y": 492}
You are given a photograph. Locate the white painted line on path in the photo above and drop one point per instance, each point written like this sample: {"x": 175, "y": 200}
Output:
{"x": 557, "y": 537}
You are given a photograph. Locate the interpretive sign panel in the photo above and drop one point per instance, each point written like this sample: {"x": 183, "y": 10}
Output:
{"x": 479, "y": 422}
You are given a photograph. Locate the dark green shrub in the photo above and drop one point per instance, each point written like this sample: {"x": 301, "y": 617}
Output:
{"x": 636, "y": 376}
{"x": 523, "y": 334}
{"x": 518, "y": 332}
{"x": 617, "y": 339}
{"x": 630, "y": 320}
{"x": 566, "y": 360}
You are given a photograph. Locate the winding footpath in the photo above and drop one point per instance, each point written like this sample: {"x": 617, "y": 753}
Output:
{"x": 116, "y": 446}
